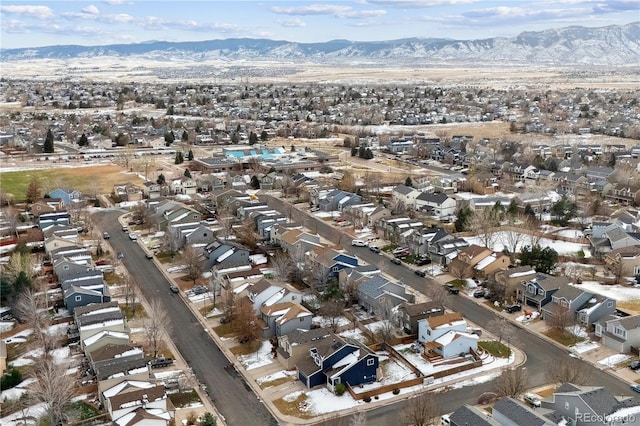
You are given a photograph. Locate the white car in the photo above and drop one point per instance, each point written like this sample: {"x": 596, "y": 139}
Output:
{"x": 358, "y": 243}
{"x": 532, "y": 399}
{"x": 133, "y": 236}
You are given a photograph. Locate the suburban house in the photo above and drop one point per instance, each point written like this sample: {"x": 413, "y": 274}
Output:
{"x": 511, "y": 412}
{"x": 104, "y": 338}
{"x": 468, "y": 258}
{"x": 489, "y": 265}
{"x": 467, "y": 415}
{"x": 282, "y": 318}
{"x": 589, "y": 402}
{"x": 108, "y": 354}
{"x": 337, "y": 200}
{"x": 569, "y": 300}
{"x": 81, "y": 296}
{"x": 597, "y": 307}
{"x": 67, "y": 196}
{"x": 294, "y": 346}
{"x": 151, "y": 190}
{"x": 338, "y": 360}
{"x": 94, "y": 318}
{"x": 606, "y": 237}
{"x": 377, "y": 294}
{"x": 46, "y": 205}
{"x": 46, "y": 220}
{"x": 128, "y": 192}
{"x": 124, "y": 400}
{"x": 445, "y": 336}
{"x": 405, "y": 195}
{"x": 619, "y": 333}
{"x": 511, "y": 279}
{"x": 410, "y": 313}
{"x": 538, "y": 290}
{"x": 436, "y": 204}
{"x": 265, "y": 294}
{"x": 624, "y": 261}
{"x": 327, "y": 262}
{"x": 221, "y": 252}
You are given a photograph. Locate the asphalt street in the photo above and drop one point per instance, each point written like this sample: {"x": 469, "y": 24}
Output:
{"x": 231, "y": 395}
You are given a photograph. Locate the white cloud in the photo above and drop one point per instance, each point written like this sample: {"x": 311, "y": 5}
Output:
{"x": 119, "y": 17}
{"x": 292, "y": 23}
{"x": 418, "y": 4}
{"x": 113, "y": 1}
{"x": 91, "y": 10}
{"x": 336, "y": 11}
{"x": 39, "y": 12}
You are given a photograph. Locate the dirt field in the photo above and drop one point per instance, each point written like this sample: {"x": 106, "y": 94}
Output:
{"x": 88, "y": 180}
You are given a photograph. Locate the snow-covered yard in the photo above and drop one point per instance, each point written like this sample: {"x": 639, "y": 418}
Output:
{"x": 616, "y": 292}
{"x": 260, "y": 358}
{"x": 562, "y": 247}
{"x": 612, "y": 360}
{"x": 584, "y": 346}
{"x": 326, "y": 322}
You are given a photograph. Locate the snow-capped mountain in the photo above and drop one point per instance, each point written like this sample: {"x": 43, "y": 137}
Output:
{"x": 580, "y": 46}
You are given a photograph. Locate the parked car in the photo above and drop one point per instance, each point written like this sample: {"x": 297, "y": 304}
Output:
{"x": 635, "y": 387}
{"x": 635, "y": 365}
{"x": 199, "y": 289}
{"x": 358, "y": 243}
{"x": 148, "y": 256}
{"x": 105, "y": 235}
{"x": 125, "y": 229}
{"x": 375, "y": 249}
{"x": 478, "y": 293}
{"x": 487, "y": 294}
{"x": 532, "y": 399}
{"x": 453, "y": 289}
{"x": 423, "y": 261}
{"x": 420, "y": 272}
{"x": 133, "y": 236}
{"x": 513, "y": 308}
{"x": 174, "y": 289}
{"x": 120, "y": 255}
{"x": 399, "y": 250}
{"x": 396, "y": 261}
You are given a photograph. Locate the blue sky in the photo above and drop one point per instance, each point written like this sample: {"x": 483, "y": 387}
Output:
{"x": 44, "y": 23}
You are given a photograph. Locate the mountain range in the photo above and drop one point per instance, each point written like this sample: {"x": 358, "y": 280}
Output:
{"x": 615, "y": 45}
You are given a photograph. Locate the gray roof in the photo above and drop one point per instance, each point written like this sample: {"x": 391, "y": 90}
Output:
{"x": 519, "y": 413}
{"x": 468, "y": 415}
{"x": 568, "y": 292}
{"x": 85, "y": 320}
{"x": 403, "y": 189}
{"x": 373, "y": 287}
{"x": 436, "y": 198}
{"x": 629, "y": 323}
{"x": 119, "y": 366}
{"x": 300, "y": 337}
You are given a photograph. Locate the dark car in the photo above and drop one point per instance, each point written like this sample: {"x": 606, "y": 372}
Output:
{"x": 174, "y": 289}
{"x": 635, "y": 365}
{"x": 513, "y": 308}
{"x": 423, "y": 261}
{"x": 478, "y": 293}
{"x": 374, "y": 249}
{"x": 453, "y": 289}
{"x": 487, "y": 294}
{"x": 105, "y": 235}
{"x": 396, "y": 261}
{"x": 420, "y": 273}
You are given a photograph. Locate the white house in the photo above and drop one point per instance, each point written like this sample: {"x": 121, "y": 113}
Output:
{"x": 406, "y": 195}
{"x": 429, "y": 329}
{"x": 436, "y": 204}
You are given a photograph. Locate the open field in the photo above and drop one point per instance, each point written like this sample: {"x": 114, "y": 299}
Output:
{"x": 88, "y": 180}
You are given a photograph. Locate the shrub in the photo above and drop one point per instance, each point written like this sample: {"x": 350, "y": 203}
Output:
{"x": 10, "y": 379}
{"x": 340, "y": 389}
{"x": 367, "y": 399}
{"x": 396, "y": 391}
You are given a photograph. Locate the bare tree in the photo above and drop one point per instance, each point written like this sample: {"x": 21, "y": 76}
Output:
{"x": 513, "y": 382}
{"x": 437, "y": 293}
{"x": 226, "y": 222}
{"x": 12, "y": 219}
{"x": 421, "y": 410}
{"x": 561, "y": 318}
{"x": 483, "y": 224}
{"x": 459, "y": 269}
{"x": 31, "y": 309}
{"x": 245, "y": 321}
{"x": 246, "y": 234}
{"x": 156, "y": 325}
{"x": 387, "y": 316}
{"x": 501, "y": 328}
{"x": 142, "y": 215}
{"x": 512, "y": 237}
{"x": 568, "y": 371}
{"x": 20, "y": 262}
{"x": 130, "y": 292}
{"x": 282, "y": 265}
{"x": 193, "y": 260}
{"x": 52, "y": 387}
{"x": 332, "y": 309}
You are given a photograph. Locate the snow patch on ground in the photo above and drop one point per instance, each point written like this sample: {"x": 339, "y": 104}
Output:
{"x": 326, "y": 322}
{"x": 260, "y": 358}
{"x": 612, "y": 360}
{"x": 616, "y": 292}
{"x": 585, "y": 346}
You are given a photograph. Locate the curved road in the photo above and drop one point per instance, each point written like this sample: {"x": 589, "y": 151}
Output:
{"x": 231, "y": 395}
{"x": 539, "y": 351}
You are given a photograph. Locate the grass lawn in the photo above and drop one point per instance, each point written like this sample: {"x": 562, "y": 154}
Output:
{"x": 130, "y": 313}
{"x": 495, "y": 348}
{"x": 389, "y": 248}
{"x": 563, "y": 337}
{"x": 164, "y": 257}
{"x": 458, "y": 283}
{"x": 98, "y": 179}
{"x": 182, "y": 399}
{"x": 292, "y": 408}
{"x": 633, "y": 305}
{"x": 224, "y": 330}
{"x": 246, "y": 348}
{"x": 275, "y": 382}
{"x": 83, "y": 411}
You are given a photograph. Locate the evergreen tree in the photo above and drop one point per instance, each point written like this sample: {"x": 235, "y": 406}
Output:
{"x": 187, "y": 173}
{"x": 541, "y": 259}
{"x": 408, "y": 182}
{"x": 255, "y": 182}
{"x": 368, "y": 154}
{"x": 235, "y": 138}
{"x": 48, "y": 142}
{"x": 169, "y": 138}
{"x": 83, "y": 141}
{"x": 185, "y": 136}
{"x": 463, "y": 217}
{"x": 161, "y": 179}
{"x": 190, "y": 155}
{"x": 264, "y": 136}
{"x": 253, "y": 138}
{"x": 34, "y": 190}
{"x": 528, "y": 210}
{"x": 354, "y": 151}
{"x": 179, "y": 158}
{"x": 208, "y": 420}
{"x": 512, "y": 210}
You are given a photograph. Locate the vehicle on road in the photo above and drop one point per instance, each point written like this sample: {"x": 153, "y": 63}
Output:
{"x": 453, "y": 289}
{"x": 120, "y": 255}
{"x": 358, "y": 243}
{"x": 635, "y": 387}
{"x": 635, "y": 365}
{"x": 420, "y": 272}
{"x": 396, "y": 261}
{"x": 513, "y": 308}
{"x": 133, "y": 236}
{"x": 375, "y": 249}
{"x": 532, "y": 399}
{"x": 148, "y": 256}
{"x": 105, "y": 235}
{"x": 478, "y": 293}
{"x": 125, "y": 229}
{"x": 174, "y": 289}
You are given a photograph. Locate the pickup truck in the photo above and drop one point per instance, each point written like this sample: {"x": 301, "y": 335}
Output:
{"x": 161, "y": 362}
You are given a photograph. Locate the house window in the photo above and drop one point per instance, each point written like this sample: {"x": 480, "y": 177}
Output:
{"x": 370, "y": 362}
{"x": 301, "y": 319}
{"x": 566, "y": 405}
{"x": 334, "y": 269}
{"x": 619, "y": 331}
{"x": 78, "y": 298}
{"x": 610, "y": 304}
{"x": 65, "y": 267}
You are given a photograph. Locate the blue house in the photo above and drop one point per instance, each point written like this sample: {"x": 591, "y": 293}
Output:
{"x": 338, "y": 360}
{"x": 67, "y": 196}
{"x": 331, "y": 261}
{"x": 51, "y": 219}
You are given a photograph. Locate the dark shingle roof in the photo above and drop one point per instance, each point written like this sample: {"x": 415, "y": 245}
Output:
{"x": 518, "y": 413}
{"x": 468, "y": 415}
